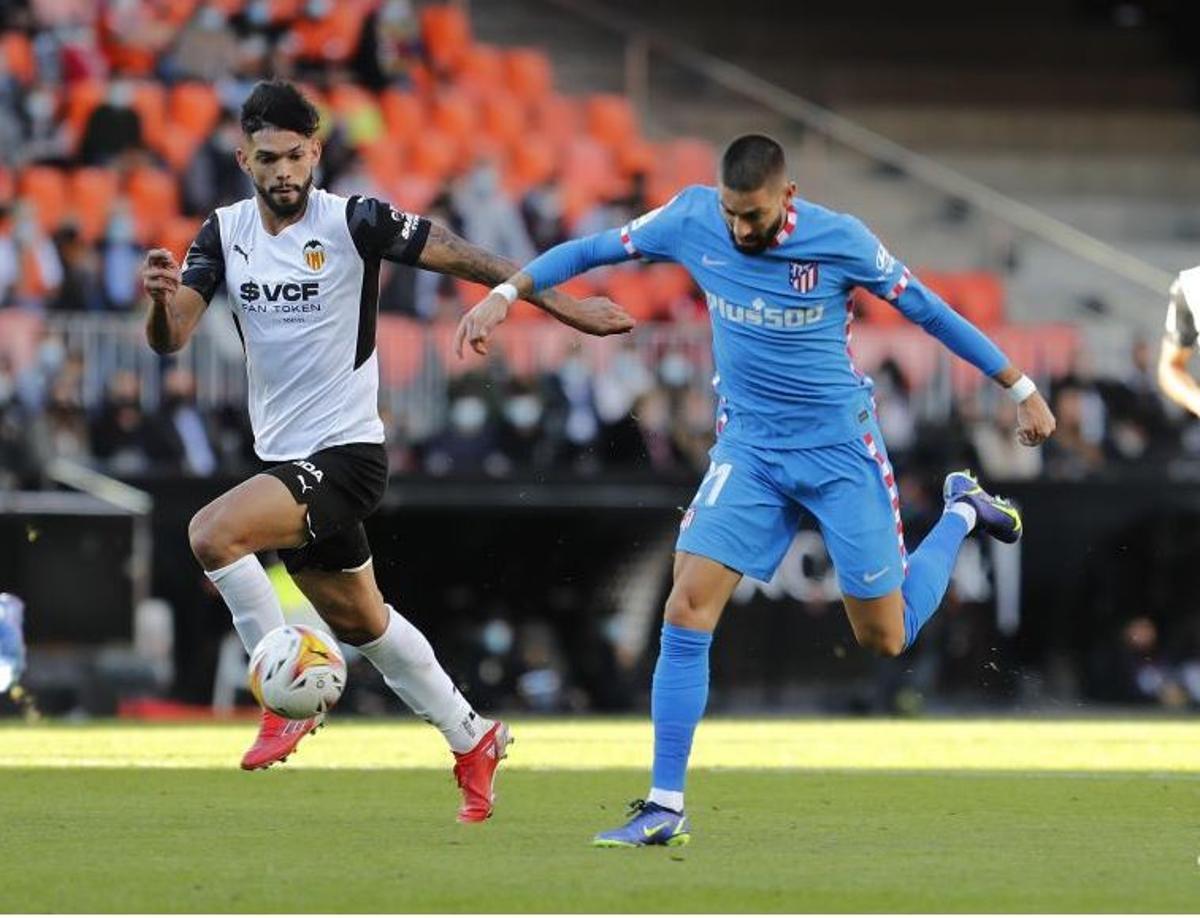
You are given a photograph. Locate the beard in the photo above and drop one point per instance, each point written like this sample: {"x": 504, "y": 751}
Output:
{"x": 284, "y": 208}
{"x": 761, "y": 243}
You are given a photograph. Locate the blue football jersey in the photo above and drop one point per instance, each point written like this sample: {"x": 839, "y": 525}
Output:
{"x": 780, "y": 318}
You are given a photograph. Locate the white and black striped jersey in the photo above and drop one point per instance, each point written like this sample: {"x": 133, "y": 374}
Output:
{"x": 1183, "y": 308}
{"x": 305, "y": 303}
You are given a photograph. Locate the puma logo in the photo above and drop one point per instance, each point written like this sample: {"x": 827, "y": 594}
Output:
{"x": 305, "y": 487}
{"x": 237, "y": 248}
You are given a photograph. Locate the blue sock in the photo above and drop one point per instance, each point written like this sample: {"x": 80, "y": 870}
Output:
{"x": 929, "y": 573}
{"x": 677, "y": 700}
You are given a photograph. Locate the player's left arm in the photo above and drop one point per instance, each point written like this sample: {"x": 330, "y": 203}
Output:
{"x": 885, "y": 276}
{"x": 447, "y": 253}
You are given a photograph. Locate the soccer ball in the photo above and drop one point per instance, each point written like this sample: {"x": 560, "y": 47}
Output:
{"x": 297, "y": 672}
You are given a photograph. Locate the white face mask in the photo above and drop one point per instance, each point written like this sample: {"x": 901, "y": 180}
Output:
{"x": 675, "y": 370}
{"x": 468, "y": 414}
{"x": 523, "y": 411}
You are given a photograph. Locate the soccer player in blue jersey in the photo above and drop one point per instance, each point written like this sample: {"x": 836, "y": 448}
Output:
{"x": 797, "y": 429}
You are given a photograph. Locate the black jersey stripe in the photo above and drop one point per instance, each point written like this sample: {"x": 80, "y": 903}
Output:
{"x": 368, "y": 312}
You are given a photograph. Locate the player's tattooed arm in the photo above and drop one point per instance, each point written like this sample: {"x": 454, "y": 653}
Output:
{"x": 447, "y": 253}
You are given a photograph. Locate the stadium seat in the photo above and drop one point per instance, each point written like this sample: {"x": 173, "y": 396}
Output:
{"x": 194, "y": 108}
{"x": 636, "y": 157}
{"x": 481, "y": 70}
{"x": 502, "y": 118}
{"x": 557, "y": 118}
{"x": 433, "y": 154}
{"x": 284, "y": 11}
{"x": 530, "y": 162}
{"x": 82, "y": 98}
{"x": 150, "y": 102}
{"x": 403, "y": 114}
{"x": 400, "y": 343}
{"x": 692, "y": 161}
{"x": 357, "y": 110}
{"x": 611, "y": 119}
{"x": 446, "y": 31}
{"x": 668, "y": 285}
{"x": 46, "y": 189}
{"x": 411, "y": 192}
{"x": 980, "y": 298}
{"x": 176, "y": 147}
{"x": 177, "y": 233}
{"x": 92, "y": 191}
{"x": 17, "y": 52}
{"x": 631, "y": 289}
{"x": 153, "y": 198}
{"x": 589, "y": 167}
{"x": 454, "y": 114}
{"x": 528, "y": 74}
{"x": 332, "y": 38}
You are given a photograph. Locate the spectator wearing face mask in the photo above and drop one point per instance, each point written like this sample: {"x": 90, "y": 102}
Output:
{"x": 119, "y": 434}
{"x": 178, "y": 435}
{"x": 523, "y": 437}
{"x": 468, "y": 445}
{"x": 121, "y": 261}
{"x": 30, "y": 269}
{"x": 490, "y": 219}
{"x": 212, "y": 178}
{"x": 113, "y": 128}
{"x": 389, "y": 46}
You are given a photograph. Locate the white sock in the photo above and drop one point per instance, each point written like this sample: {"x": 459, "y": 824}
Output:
{"x": 966, "y": 511}
{"x": 671, "y": 799}
{"x": 408, "y": 665}
{"x": 247, "y": 590}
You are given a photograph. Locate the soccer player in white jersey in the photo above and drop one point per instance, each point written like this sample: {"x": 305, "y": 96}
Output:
{"x": 1179, "y": 341}
{"x": 301, "y": 270}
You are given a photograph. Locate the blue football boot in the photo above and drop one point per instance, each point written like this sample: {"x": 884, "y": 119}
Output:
{"x": 996, "y": 516}
{"x": 649, "y": 824}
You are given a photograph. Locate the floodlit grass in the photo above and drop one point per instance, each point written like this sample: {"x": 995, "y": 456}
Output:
{"x": 787, "y": 816}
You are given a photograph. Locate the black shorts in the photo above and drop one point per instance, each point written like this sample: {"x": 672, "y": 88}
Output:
{"x": 341, "y": 486}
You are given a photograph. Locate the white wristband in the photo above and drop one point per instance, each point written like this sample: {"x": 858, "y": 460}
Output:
{"x": 506, "y": 290}
{"x": 1021, "y": 389}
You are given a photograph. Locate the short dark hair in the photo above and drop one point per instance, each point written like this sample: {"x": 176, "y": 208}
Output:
{"x": 750, "y": 160}
{"x": 279, "y": 104}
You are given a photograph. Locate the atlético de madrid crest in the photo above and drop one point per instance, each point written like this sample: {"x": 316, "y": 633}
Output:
{"x": 803, "y": 275}
{"x": 314, "y": 255}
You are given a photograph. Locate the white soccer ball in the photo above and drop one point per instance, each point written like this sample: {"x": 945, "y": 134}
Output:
{"x": 297, "y": 672}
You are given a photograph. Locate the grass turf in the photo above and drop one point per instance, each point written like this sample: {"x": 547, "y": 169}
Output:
{"x": 787, "y": 816}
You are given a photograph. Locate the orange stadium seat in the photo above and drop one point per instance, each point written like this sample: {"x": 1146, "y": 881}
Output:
{"x": 194, "y": 108}
{"x": 46, "y": 189}
{"x": 281, "y": 11}
{"x": 528, "y": 73}
{"x": 454, "y": 114}
{"x": 481, "y": 70}
{"x": 692, "y": 161}
{"x": 384, "y": 159}
{"x": 980, "y": 298}
{"x": 610, "y": 119}
{"x": 447, "y": 34}
{"x": 154, "y": 199}
{"x": 433, "y": 154}
{"x": 7, "y": 185}
{"x": 668, "y": 284}
{"x": 17, "y": 52}
{"x": 177, "y": 233}
{"x": 558, "y": 118}
{"x": 82, "y": 98}
{"x": 580, "y": 287}
{"x": 150, "y": 102}
{"x": 502, "y": 117}
{"x": 411, "y": 192}
{"x": 637, "y": 156}
{"x": 333, "y": 37}
{"x": 530, "y": 163}
{"x": 629, "y": 288}
{"x": 589, "y": 166}
{"x": 176, "y": 147}
{"x": 92, "y": 192}
{"x": 403, "y": 114}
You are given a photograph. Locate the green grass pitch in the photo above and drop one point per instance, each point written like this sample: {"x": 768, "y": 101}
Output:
{"x": 788, "y": 815}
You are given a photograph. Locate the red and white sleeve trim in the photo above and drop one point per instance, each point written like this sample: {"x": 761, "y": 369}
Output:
{"x": 888, "y": 476}
{"x": 900, "y": 286}
{"x": 627, "y": 241}
{"x": 788, "y": 227}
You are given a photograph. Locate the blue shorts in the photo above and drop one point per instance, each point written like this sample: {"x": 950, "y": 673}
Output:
{"x": 747, "y": 510}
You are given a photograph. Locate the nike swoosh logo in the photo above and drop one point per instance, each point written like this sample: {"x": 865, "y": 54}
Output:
{"x": 871, "y": 578}
{"x": 709, "y": 262}
{"x": 650, "y": 830}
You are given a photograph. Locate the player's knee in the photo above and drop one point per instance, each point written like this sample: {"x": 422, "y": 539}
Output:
{"x": 213, "y": 545}
{"x": 685, "y": 610}
{"x": 884, "y": 642}
{"x": 354, "y": 620}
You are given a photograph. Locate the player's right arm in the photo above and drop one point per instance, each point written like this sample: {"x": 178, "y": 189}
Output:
{"x": 1179, "y": 344}
{"x": 178, "y": 297}
{"x": 650, "y": 235}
